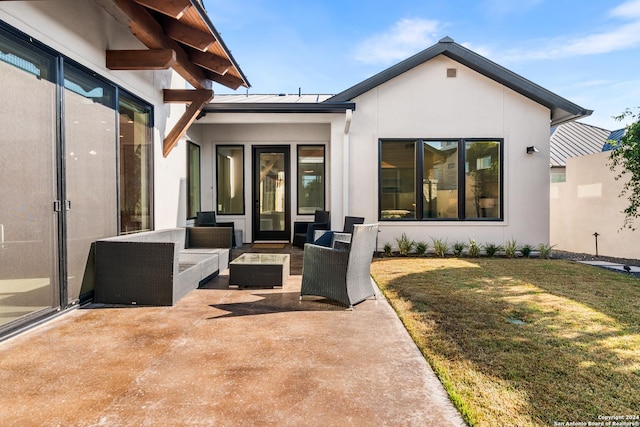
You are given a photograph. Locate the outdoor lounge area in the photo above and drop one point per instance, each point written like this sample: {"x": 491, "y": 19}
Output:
{"x": 223, "y": 356}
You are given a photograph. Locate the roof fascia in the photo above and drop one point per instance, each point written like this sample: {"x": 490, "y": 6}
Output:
{"x": 278, "y": 107}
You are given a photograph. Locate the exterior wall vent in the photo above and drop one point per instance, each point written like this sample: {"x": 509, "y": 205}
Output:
{"x": 451, "y": 72}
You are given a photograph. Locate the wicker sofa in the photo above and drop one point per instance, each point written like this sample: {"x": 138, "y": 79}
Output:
{"x": 158, "y": 267}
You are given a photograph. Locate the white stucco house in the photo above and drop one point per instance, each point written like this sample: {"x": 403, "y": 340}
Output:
{"x": 107, "y": 129}
{"x": 435, "y": 147}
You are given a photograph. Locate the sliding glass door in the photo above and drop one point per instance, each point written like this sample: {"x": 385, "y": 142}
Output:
{"x": 28, "y": 183}
{"x": 91, "y": 206}
{"x": 76, "y": 166}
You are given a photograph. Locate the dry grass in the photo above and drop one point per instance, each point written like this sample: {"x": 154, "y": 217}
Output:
{"x": 576, "y": 356}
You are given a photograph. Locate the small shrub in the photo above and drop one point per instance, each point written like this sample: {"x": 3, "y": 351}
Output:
{"x": 545, "y": 250}
{"x": 491, "y": 249}
{"x": 474, "y": 249}
{"x": 387, "y": 249}
{"x": 458, "y": 247}
{"x": 421, "y": 248}
{"x": 440, "y": 246}
{"x": 405, "y": 246}
{"x": 525, "y": 250}
{"x": 510, "y": 248}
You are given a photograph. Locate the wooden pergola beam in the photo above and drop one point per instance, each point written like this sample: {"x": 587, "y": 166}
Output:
{"x": 227, "y": 80}
{"x": 151, "y": 34}
{"x": 188, "y": 35}
{"x": 196, "y": 99}
{"x": 184, "y": 96}
{"x": 172, "y": 8}
{"x": 211, "y": 62}
{"x": 152, "y": 59}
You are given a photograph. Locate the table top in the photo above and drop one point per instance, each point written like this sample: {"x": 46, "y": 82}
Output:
{"x": 261, "y": 258}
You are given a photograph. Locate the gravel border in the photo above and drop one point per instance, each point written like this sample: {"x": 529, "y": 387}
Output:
{"x": 574, "y": 256}
{"x": 589, "y": 257}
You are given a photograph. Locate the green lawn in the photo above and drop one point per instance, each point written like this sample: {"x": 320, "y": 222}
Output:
{"x": 522, "y": 341}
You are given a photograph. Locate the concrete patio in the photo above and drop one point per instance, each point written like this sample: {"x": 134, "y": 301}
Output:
{"x": 224, "y": 357}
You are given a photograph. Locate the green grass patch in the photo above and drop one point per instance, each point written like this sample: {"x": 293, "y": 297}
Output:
{"x": 522, "y": 341}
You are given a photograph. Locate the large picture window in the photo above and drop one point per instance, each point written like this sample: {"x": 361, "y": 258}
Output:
{"x": 310, "y": 179}
{"x": 230, "y": 179}
{"x": 451, "y": 179}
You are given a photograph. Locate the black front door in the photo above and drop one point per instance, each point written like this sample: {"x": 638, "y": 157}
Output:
{"x": 271, "y": 195}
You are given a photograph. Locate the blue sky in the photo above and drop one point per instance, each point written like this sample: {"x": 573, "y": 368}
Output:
{"x": 586, "y": 51}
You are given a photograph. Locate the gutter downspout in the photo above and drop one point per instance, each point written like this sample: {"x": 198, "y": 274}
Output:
{"x": 345, "y": 161}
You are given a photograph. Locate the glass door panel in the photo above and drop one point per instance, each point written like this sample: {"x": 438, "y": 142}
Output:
{"x": 271, "y": 216}
{"x": 136, "y": 153}
{"x": 28, "y": 223}
{"x": 90, "y": 156}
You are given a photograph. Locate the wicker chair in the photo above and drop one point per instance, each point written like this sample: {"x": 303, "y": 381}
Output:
{"x": 206, "y": 219}
{"x": 350, "y": 221}
{"x": 303, "y": 231}
{"x": 341, "y": 275}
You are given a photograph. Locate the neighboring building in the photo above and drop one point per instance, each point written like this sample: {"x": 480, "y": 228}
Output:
{"x": 613, "y": 137}
{"x": 587, "y": 202}
{"x": 435, "y": 146}
{"x": 85, "y": 122}
{"x": 573, "y": 139}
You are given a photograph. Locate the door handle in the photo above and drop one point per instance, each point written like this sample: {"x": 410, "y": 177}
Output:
{"x": 57, "y": 205}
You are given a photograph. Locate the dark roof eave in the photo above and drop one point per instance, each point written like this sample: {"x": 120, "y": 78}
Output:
{"x": 557, "y": 119}
{"x": 562, "y": 110}
{"x": 279, "y": 107}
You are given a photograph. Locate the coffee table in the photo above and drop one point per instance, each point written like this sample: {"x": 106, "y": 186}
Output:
{"x": 259, "y": 270}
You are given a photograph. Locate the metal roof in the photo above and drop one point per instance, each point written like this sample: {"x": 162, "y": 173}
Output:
{"x": 615, "y": 135}
{"x": 276, "y": 103}
{"x": 574, "y": 139}
{"x": 562, "y": 110}
{"x": 270, "y": 98}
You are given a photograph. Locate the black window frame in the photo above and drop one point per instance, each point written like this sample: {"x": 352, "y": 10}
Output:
{"x": 244, "y": 207}
{"x": 419, "y": 176}
{"x": 324, "y": 176}
{"x": 123, "y": 94}
{"x": 190, "y": 146}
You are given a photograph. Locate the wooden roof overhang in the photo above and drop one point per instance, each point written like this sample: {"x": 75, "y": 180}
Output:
{"x": 178, "y": 35}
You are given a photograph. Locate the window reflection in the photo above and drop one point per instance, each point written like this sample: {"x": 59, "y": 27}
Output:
{"x": 310, "y": 179}
{"x": 440, "y": 182}
{"x": 482, "y": 179}
{"x": 135, "y": 166}
{"x": 230, "y": 179}
{"x": 398, "y": 195}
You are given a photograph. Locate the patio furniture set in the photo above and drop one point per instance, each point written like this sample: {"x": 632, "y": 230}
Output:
{"x": 160, "y": 267}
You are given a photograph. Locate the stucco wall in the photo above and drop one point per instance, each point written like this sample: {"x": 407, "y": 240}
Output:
{"x": 83, "y": 30}
{"x": 589, "y": 202}
{"x": 258, "y": 129}
{"x": 424, "y": 103}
